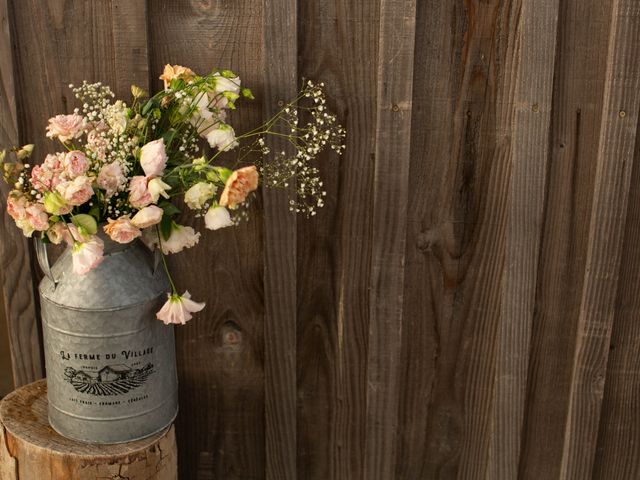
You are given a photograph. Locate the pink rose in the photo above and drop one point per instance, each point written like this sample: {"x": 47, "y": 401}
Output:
{"x": 238, "y": 186}
{"x": 111, "y": 178}
{"x": 122, "y": 230}
{"x": 75, "y": 164}
{"x": 54, "y": 162}
{"x": 46, "y": 177}
{"x": 65, "y": 127}
{"x": 148, "y": 216}
{"x": 178, "y": 309}
{"x": 37, "y": 217}
{"x": 139, "y": 195}
{"x": 153, "y": 158}
{"x": 87, "y": 255}
{"x": 41, "y": 178}
{"x": 77, "y": 191}
{"x": 17, "y": 206}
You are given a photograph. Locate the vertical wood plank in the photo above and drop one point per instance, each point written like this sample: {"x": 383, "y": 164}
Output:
{"x": 618, "y": 450}
{"x": 428, "y": 443}
{"x": 281, "y": 84}
{"x": 583, "y": 32}
{"x": 391, "y": 185}
{"x": 334, "y": 247}
{"x": 613, "y": 176}
{"x": 460, "y": 181}
{"x": 535, "y": 50}
{"x": 6, "y": 379}
{"x": 221, "y": 427}
{"x": 17, "y": 287}
{"x": 130, "y": 49}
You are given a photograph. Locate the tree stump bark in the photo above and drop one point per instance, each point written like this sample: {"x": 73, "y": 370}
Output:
{"x": 31, "y": 450}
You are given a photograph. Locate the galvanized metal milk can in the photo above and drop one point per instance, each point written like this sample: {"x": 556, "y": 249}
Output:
{"x": 111, "y": 370}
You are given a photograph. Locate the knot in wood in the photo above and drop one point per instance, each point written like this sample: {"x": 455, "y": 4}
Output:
{"x": 231, "y": 334}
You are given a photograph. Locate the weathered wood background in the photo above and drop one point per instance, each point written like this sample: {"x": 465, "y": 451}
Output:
{"x": 466, "y": 305}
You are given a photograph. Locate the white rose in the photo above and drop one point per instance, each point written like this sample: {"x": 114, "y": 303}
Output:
{"x": 217, "y": 217}
{"x": 223, "y": 138}
{"x": 199, "y": 194}
{"x": 224, "y": 84}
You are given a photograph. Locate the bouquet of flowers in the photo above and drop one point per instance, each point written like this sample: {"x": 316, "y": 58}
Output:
{"x": 122, "y": 166}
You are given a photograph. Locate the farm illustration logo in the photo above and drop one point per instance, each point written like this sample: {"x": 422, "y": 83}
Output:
{"x": 110, "y": 380}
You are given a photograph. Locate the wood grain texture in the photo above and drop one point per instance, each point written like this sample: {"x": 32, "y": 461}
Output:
{"x": 221, "y": 425}
{"x": 280, "y": 85}
{"x": 33, "y": 450}
{"x": 448, "y": 313}
{"x": 6, "y": 375}
{"x": 575, "y": 128}
{"x": 389, "y": 225}
{"x": 464, "y": 92}
{"x": 531, "y": 58}
{"x": 619, "y": 429}
{"x": 334, "y": 247}
{"x": 613, "y": 176}
{"x": 19, "y": 303}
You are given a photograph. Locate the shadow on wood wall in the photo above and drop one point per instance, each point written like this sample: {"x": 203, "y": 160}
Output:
{"x": 466, "y": 304}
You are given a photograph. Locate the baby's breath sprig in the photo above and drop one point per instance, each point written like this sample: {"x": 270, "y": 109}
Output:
{"x": 308, "y": 128}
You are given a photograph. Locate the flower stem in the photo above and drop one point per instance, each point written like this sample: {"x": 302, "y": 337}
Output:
{"x": 174, "y": 291}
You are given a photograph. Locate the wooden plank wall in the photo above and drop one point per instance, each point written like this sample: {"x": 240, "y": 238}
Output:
{"x": 466, "y": 304}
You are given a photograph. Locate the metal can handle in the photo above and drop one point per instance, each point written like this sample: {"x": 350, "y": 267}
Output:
{"x": 43, "y": 260}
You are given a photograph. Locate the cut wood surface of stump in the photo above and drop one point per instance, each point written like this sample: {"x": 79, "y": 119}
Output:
{"x": 30, "y": 449}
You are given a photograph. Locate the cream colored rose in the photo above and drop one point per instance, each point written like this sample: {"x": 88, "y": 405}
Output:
{"x": 217, "y": 217}
{"x": 181, "y": 237}
{"x": 223, "y": 138}
{"x": 199, "y": 194}
{"x": 158, "y": 188}
{"x": 147, "y": 217}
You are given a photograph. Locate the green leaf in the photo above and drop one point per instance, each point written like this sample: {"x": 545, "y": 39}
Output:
{"x": 85, "y": 222}
{"x": 165, "y": 227}
{"x": 177, "y": 84}
{"x": 168, "y": 136}
{"x": 169, "y": 209}
{"x": 151, "y": 103}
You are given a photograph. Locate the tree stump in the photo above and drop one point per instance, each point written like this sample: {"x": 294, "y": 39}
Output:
{"x": 31, "y": 450}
